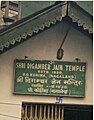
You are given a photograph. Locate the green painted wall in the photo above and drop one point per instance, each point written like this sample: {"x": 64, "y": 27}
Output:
{"x": 86, "y": 5}
{"x": 30, "y": 7}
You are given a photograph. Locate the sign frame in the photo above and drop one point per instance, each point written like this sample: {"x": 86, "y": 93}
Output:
{"x": 49, "y": 94}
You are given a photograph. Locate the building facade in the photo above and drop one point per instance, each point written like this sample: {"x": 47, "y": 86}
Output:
{"x": 62, "y": 25}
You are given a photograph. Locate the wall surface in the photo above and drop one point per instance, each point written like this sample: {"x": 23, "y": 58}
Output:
{"x": 31, "y": 7}
{"x": 44, "y": 47}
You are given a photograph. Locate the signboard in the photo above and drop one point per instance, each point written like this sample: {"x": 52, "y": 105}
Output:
{"x": 54, "y": 78}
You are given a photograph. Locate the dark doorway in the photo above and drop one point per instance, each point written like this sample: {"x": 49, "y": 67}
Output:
{"x": 74, "y": 112}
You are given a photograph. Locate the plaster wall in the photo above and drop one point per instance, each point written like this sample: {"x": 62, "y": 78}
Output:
{"x": 44, "y": 47}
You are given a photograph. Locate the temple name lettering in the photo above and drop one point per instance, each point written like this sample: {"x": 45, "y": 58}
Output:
{"x": 75, "y": 68}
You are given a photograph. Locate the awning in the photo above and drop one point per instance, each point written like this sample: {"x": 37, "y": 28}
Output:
{"x": 80, "y": 16}
{"x": 27, "y": 27}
